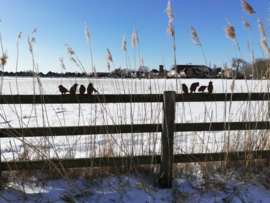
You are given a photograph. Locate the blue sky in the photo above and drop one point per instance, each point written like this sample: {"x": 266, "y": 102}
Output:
{"x": 60, "y": 22}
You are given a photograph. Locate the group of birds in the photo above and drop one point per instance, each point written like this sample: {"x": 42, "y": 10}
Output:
{"x": 73, "y": 90}
{"x": 194, "y": 86}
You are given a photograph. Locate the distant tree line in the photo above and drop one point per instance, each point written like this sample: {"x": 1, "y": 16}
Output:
{"x": 49, "y": 74}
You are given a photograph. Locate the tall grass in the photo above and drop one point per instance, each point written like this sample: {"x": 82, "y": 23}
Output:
{"x": 48, "y": 147}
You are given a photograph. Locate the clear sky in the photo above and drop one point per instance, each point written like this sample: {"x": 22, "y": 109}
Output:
{"x": 60, "y": 22}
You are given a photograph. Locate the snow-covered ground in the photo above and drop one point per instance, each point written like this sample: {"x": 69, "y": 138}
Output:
{"x": 135, "y": 190}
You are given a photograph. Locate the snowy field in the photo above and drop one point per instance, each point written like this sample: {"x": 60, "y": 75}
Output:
{"x": 141, "y": 144}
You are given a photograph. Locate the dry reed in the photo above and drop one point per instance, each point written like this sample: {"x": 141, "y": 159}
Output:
{"x": 264, "y": 45}
{"x": 4, "y": 58}
{"x": 247, "y": 7}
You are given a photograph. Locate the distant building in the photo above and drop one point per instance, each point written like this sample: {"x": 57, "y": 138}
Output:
{"x": 190, "y": 71}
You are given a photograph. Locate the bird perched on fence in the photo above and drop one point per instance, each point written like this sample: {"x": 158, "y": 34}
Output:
{"x": 62, "y": 89}
{"x": 82, "y": 90}
{"x": 210, "y": 88}
{"x": 185, "y": 88}
{"x": 90, "y": 89}
{"x": 73, "y": 90}
{"x": 193, "y": 87}
{"x": 202, "y": 88}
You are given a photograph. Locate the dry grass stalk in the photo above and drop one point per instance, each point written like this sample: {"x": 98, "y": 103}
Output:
{"x": 264, "y": 45}
{"x": 95, "y": 71}
{"x": 124, "y": 43}
{"x": 62, "y": 62}
{"x": 247, "y": 7}
{"x": 248, "y": 45}
{"x": 109, "y": 56}
{"x": 69, "y": 50}
{"x": 246, "y": 24}
{"x": 87, "y": 34}
{"x": 108, "y": 65}
{"x": 141, "y": 58}
{"x": 30, "y": 46}
{"x": 19, "y": 37}
{"x": 35, "y": 30}
{"x": 261, "y": 28}
{"x": 194, "y": 37}
{"x": 232, "y": 85}
{"x": 4, "y": 58}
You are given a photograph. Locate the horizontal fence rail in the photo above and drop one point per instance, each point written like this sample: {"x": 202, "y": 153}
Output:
{"x": 125, "y": 98}
{"x": 136, "y": 128}
{"x": 135, "y": 160}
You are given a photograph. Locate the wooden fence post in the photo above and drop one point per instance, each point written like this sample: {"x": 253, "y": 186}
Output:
{"x": 167, "y": 137}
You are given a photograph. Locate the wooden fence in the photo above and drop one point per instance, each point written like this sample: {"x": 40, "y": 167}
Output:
{"x": 167, "y": 128}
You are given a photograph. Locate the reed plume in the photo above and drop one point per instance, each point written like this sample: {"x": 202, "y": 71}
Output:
{"x": 264, "y": 45}
{"x": 136, "y": 36}
{"x": 247, "y": 7}
{"x": 229, "y": 29}
{"x": 261, "y": 28}
{"x": 19, "y": 37}
{"x": 62, "y": 62}
{"x": 35, "y": 30}
{"x": 69, "y": 50}
{"x": 246, "y": 24}
{"x": 141, "y": 58}
{"x": 109, "y": 56}
{"x": 168, "y": 10}
{"x": 4, "y": 58}
{"x": 33, "y": 40}
{"x": 133, "y": 40}
{"x": 194, "y": 37}
{"x": 170, "y": 30}
{"x": 74, "y": 60}
{"x": 87, "y": 34}
{"x": 124, "y": 43}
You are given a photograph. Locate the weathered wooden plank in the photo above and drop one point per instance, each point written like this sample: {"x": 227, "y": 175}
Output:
{"x": 79, "y": 130}
{"x": 220, "y": 126}
{"x": 136, "y": 160}
{"x": 59, "y": 99}
{"x": 167, "y": 138}
{"x": 125, "y": 98}
{"x": 137, "y": 128}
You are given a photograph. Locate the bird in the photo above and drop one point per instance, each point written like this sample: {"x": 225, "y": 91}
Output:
{"x": 62, "y": 89}
{"x": 210, "y": 88}
{"x": 73, "y": 90}
{"x": 90, "y": 89}
{"x": 185, "y": 88}
{"x": 82, "y": 90}
{"x": 193, "y": 87}
{"x": 202, "y": 88}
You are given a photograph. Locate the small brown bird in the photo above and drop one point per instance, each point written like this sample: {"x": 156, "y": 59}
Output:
{"x": 193, "y": 87}
{"x": 210, "y": 88}
{"x": 202, "y": 88}
{"x": 62, "y": 89}
{"x": 185, "y": 88}
{"x": 82, "y": 90}
{"x": 73, "y": 90}
{"x": 90, "y": 89}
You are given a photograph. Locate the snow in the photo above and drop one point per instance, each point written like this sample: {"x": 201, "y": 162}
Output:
{"x": 133, "y": 188}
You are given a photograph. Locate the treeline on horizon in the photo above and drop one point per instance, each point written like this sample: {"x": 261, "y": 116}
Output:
{"x": 258, "y": 69}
